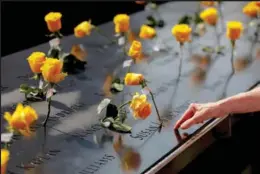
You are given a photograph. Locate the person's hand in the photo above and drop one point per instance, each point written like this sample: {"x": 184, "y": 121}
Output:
{"x": 198, "y": 113}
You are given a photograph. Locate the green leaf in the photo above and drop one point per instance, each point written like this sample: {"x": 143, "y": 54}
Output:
{"x": 122, "y": 115}
{"x": 121, "y": 127}
{"x": 35, "y": 77}
{"x": 197, "y": 19}
{"x": 119, "y": 87}
{"x": 24, "y": 88}
{"x": 185, "y": 20}
{"x": 154, "y": 6}
{"x": 208, "y": 50}
{"x": 220, "y": 48}
{"x": 116, "y": 80}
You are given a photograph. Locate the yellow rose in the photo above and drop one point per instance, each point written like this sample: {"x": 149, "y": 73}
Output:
{"x": 52, "y": 70}
{"x": 181, "y": 32}
{"x": 135, "y": 50}
{"x": 208, "y": 3}
{"x": 209, "y": 16}
{"x": 122, "y": 23}
{"x": 234, "y": 30}
{"x": 147, "y": 32}
{"x": 5, "y": 155}
{"x": 257, "y": 3}
{"x": 53, "y": 20}
{"x": 144, "y": 110}
{"x": 79, "y": 53}
{"x": 83, "y": 29}
{"x": 251, "y": 9}
{"x": 141, "y": 108}
{"x": 36, "y": 60}
{"x": 22, "y": 118}
{"x": 133, "y": 79}
{"x": 137, "y": 99}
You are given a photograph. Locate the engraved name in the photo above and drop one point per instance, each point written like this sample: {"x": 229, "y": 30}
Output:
{"x": 64, "y": 113}
{"x": 39, "y": 159}
{"x": 164, "y": 87}
{"x": 97, "y": 165}
{"x": 82, "y": 134}
{"x": 153, "y": 127}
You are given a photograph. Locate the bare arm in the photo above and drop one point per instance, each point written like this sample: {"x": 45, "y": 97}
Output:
{"x": 242, "y": 103}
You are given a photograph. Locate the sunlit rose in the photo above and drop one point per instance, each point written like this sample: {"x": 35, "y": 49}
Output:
{"x": 209, "y": 16}
{"x": 251, "y": 9}
{"x": 52, "y": 70}
{"x": 135, "y": 50}
{"x": 53, "y": 20}
{"x": 147, "y": 32}
{"x": 133, "y": 79}
{"x": 141, "y": 108}
{"x": 83, "y": 29}
{"x": 182, "y": 33}
{"x": 4, "y": 160}
{"x": 35, "y": 61}
{"x": 122, "y": 23}
{"x": 234, "y": 30}
{"x": 21, "y": 119}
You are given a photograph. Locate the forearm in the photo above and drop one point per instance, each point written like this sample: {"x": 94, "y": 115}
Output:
{"x": 242, "y": 103}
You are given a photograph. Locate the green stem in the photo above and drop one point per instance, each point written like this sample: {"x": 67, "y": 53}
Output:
{"x": 128, "y": 69}
{"x": 156, "y": 108}
{"x": 221, "y": 16}
{"x": 6, "y": 146}
{"x": 232, "y": 69}
{"x": 217, "y": 36}
{"x": 49, "y": 108}
{"x": 48, "y": 114}
{"x": 124, "y": 47}
{"x": 102, "y": 34}
{"x": 124, "y": 104}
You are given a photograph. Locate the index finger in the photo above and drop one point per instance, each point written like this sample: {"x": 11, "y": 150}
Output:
{"x": 188, "y": 114}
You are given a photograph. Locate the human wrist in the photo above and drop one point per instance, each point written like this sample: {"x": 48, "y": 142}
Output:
{"x": 223, "y": 107}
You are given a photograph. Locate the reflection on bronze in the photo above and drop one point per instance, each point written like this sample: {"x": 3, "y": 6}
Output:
{"x": 240, "y": 64}
{"x": 131, "y": 36}
{"x": 198, "y": 76}
{"x": 79, "y": 52}
{"x": 129, "y": 157}
{"x": 107, "y": 85}
{"x": 142, "y": 59}
{"x": 202, "y": 61}
{"x": 180, "y": 137}
{"x": 258, "y": 54}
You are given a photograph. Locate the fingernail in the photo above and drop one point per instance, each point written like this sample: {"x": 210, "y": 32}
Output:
{"x": 184, "y": 126}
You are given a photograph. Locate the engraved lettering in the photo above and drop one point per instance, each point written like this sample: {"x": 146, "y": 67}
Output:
{"x": 3, "y": 88}
{"x": 96, "y": 165}
{"x": 148, "y": 131}
{"x": 86, "y": 172}
{"x": 10, "y": 172}
{"x": 65, "y": 113}
{"x": 38, "y": 160}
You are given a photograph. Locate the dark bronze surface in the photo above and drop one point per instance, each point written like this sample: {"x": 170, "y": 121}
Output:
{"x": 75, "y": 143}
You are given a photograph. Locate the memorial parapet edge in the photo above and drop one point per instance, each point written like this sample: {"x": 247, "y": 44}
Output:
{"x": 74, "y": 141}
